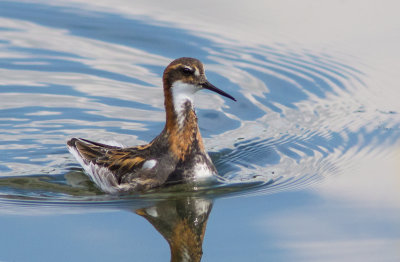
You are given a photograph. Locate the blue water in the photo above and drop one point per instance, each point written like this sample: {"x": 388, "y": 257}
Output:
{"x": 302, "y": 121}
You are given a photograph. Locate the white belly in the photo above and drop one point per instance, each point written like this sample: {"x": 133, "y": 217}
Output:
{"x": 202, "y": 171}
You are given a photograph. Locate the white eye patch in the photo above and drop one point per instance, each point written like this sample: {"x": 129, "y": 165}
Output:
{"x": 197, "y": 72}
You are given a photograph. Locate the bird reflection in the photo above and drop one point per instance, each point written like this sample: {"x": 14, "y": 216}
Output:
{"x": 182, "y": 222}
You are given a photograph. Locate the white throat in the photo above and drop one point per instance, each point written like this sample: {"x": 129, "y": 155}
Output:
{"x": 182, "y": 93}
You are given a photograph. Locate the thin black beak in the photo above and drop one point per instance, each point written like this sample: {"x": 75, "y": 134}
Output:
{"x": 209, "y": 86}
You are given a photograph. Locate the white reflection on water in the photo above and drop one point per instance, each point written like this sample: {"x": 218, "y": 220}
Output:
{"x": 353, "y": 217}
{"x": 372, "y": 182}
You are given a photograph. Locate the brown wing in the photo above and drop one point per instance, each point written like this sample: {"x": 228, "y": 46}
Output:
{"x": 118, "y": 160}
{"x": 126, "y": 163}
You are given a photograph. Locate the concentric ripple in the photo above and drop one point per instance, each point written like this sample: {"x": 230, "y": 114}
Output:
{"x": 301, "y": 115}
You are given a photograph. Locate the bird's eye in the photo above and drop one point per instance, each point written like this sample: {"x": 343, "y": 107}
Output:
{"x": 187, "y": 70}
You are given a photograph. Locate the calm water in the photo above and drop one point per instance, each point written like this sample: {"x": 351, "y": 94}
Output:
{"x": 308, "y": 156}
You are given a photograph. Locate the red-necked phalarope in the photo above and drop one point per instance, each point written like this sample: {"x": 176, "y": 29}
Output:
{"x": 174, "y": 156}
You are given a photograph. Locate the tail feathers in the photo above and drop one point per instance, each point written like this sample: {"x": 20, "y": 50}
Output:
{"x": 87, "y": 150}
{"x": 86, "y": 156}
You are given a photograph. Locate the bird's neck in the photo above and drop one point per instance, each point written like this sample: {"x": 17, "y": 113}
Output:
{"x": 181, "y": 122}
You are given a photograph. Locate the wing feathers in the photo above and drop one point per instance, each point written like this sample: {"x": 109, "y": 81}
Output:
{"x": 118, "y": 161}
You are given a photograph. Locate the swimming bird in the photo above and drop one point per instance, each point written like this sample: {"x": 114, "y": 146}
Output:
{"x": 176, "y": 155}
